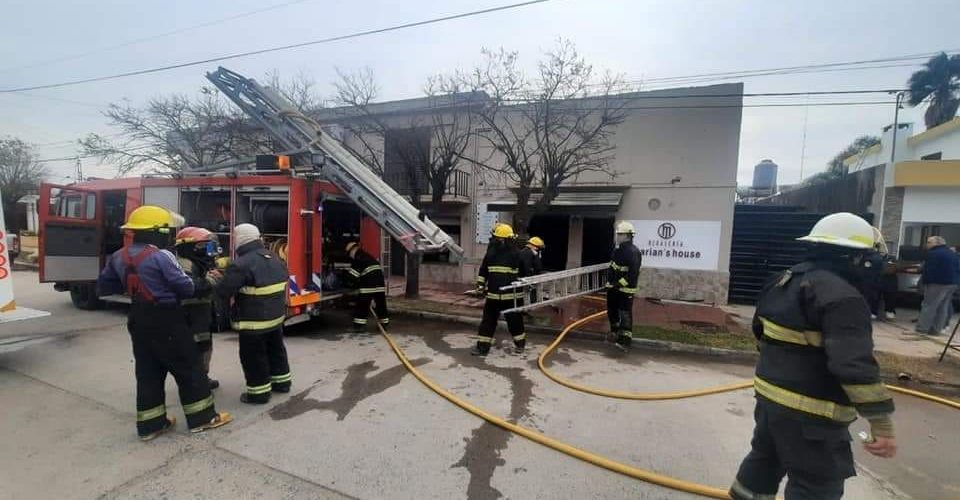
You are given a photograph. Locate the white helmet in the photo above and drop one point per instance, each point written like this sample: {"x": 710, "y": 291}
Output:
{"x": 624, "y": 227}
{"x": 843, "y": 230}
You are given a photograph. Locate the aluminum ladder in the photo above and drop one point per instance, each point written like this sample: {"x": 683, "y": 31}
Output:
{"x": 298, "y": 133}
{"x": 549, "y": 288}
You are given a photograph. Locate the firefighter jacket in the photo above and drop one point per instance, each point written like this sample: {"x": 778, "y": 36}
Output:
{"x": 500, "y": 267}
{"x": 816, "y": 348}
{"x": 624, "y": 268}
{"x": 367, "y": 273}
{"x": 147, "y": 274}
{"x": 531, "y": 259}
{"x": 258, "y": 279}
{"x": 199, "y": 309}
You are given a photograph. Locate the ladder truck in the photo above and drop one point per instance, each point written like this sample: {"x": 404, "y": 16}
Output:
{"x": 308, "y": 200}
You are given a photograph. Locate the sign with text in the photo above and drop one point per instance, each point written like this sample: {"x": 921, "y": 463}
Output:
{"x": 6, "y": 280}
{"x": 485, "y": 222}
{"x": 678, "y": 244}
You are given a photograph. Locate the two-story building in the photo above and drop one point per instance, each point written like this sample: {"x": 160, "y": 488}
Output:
{"x": 675, "y": 170}
{"x": 921, "y": 183}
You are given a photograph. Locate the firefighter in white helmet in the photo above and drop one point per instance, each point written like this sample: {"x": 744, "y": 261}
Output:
{"x": 816, "y": 371}
{"x": 622, "y": 285}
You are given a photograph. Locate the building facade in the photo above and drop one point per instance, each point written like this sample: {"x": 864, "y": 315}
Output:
{"x": 920, "y": 184}
{"x": 675, "y": 168}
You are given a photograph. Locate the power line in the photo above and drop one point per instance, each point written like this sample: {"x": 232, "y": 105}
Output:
{"x": 151, "y": 37}
{"x": 359, "y": 34}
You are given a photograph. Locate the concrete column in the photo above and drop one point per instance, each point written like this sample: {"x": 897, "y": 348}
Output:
{"x": 575, "y": 242}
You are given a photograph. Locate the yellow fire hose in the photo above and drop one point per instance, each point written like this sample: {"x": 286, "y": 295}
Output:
{"x": 634, "y": 472}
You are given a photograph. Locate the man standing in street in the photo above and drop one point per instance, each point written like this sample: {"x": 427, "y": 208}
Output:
{"x": 939, "y": 281}
{"x": 622, "y": 285}
{"x": 197, "y": 250}
{"x": 367, "y": 274}
{"x": 157, "y": 323}
{"x": 257, "y": 279}
{"x": 816, "y": 372}
{"x": 500, "y": 267}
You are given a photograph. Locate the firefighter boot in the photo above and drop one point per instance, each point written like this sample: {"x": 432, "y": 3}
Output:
{"x": 255, "y": 399}
{"x": 624, "y": 340}
{"x": 219, "y": 420}
{"x": 481, "y": 349}
{"x": 171, "y": 422}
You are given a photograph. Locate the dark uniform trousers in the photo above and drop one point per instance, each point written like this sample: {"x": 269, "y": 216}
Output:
{"x": 620, "y": 314}
{"x": 815, "y": 456}
{"x": 362, "y": 308}
{"x": 492, "y": 308}
{"x": 163, "y": 344}
{"x": 264, "y": 360}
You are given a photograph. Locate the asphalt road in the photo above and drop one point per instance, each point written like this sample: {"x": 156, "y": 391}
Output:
{"x": 357, "y": 425}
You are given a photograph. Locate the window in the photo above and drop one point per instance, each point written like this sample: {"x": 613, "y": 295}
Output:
{"x": 933, "y": 156}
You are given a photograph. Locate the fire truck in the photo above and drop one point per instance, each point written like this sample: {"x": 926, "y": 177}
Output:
{"x": 308, "y": 200}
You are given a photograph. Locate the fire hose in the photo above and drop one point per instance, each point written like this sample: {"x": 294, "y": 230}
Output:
{"x": 599, "y": 460}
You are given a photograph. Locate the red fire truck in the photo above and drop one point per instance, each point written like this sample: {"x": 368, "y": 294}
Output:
{"x": 306, "y": 222}
{"x": 308, "y": 203}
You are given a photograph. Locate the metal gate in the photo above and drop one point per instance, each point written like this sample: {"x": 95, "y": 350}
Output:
{"x": 764, "y": 243}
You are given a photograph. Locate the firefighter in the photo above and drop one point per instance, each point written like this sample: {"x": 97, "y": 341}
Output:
{"x": 257, "y": 280}
{"x": 622, "y": 285}
{"x": 157, "y": 323}
{"x": 500, "y": 267}
{"x": 531, "y": 255}
{"x": 197, "y": 251}
{"x": 816, "y": 371}
{"x": 367, "y": 274}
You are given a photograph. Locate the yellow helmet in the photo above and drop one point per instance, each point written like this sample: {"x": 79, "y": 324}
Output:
{"x": 151, "y": 218}
{"x": 537, "y": 242}
{"x": 843, "y": 230}
{"x": 503, "y": 231}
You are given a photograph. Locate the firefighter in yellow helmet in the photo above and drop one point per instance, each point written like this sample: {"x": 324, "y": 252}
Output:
{"x": 157, "y": 322}
{"x": 816, "y": 371}
{"x": 500, "y": 267}
{"x": 531, "y": 254}
{"x": 622, "y": 285}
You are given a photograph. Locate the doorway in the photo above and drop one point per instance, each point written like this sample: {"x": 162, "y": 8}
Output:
{"x": 555, "y": 231}
{"x": 597, "y": 240}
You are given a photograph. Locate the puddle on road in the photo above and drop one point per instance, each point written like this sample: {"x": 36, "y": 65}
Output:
{"x": 356, "y": 387}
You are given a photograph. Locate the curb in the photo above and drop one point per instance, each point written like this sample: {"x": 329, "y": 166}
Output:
{"x": 658, "y": 345}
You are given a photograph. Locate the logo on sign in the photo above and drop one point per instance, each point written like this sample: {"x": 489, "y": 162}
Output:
{"x": 667, "y": 230}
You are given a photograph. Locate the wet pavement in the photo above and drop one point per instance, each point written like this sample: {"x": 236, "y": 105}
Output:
{"x": 358, "y": 425}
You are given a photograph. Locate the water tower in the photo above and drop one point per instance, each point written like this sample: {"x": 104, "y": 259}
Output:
{"x": 765, "y": 176}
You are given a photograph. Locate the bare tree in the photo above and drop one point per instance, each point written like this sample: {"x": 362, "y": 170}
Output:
{"x": 176, "y": 133}
{"x": 548, "y": 131}
{"x": 422, "y": 146}
{"x": 19, "y": 174}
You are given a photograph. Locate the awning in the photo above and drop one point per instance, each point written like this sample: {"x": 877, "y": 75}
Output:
{"x": 572, "y": 202}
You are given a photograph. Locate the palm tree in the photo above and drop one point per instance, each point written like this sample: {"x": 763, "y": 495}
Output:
{"x": 938, "y": 82}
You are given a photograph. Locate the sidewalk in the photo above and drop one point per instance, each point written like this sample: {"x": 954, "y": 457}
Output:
{"x": 892, "y": 336}
{"x": 445, "y": 298}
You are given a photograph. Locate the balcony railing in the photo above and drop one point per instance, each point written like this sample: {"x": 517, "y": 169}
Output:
{"x": 458, "y": 185}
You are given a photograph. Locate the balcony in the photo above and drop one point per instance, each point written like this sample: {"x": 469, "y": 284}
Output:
{"x": 927, "y": 173}
{"x": 457, "y": 190}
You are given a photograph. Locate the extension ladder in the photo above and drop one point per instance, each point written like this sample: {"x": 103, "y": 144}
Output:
{"x": 299, "y": 133}
{"x": 549, "y": 288}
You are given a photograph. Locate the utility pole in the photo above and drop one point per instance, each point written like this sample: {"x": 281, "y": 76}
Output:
{"x": 79, "y": 170}
{"x": 896, "y": 125}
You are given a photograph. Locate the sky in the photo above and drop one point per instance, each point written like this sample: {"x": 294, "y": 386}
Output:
{"x": 46, "y": 41}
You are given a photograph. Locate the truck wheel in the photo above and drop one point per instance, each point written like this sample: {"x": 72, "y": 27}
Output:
{"x": 84, "y": 296}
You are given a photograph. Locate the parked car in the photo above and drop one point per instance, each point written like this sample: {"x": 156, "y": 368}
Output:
{"x": 908, "y": 284}
{"x": 13, "y": 246}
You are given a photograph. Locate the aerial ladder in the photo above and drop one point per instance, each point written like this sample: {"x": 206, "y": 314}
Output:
{"x": 301, "y": 135}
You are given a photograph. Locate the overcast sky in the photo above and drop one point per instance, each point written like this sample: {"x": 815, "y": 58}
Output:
{"x": 641, "y": 39}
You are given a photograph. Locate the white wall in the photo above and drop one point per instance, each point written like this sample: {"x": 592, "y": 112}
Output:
{"x": 931, "y": 204}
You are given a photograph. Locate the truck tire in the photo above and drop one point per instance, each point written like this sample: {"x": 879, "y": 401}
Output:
{"x": 84, "y": 296}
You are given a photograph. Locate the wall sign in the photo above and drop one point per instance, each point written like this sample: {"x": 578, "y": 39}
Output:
{"x": 678, "y": 244}
{"x": 486, "y": 220}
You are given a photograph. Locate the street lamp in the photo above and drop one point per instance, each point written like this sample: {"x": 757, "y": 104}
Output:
{"x": 896, "y": 118}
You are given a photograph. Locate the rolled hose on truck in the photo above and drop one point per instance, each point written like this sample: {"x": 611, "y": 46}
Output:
{"x": 599, "y": 460}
